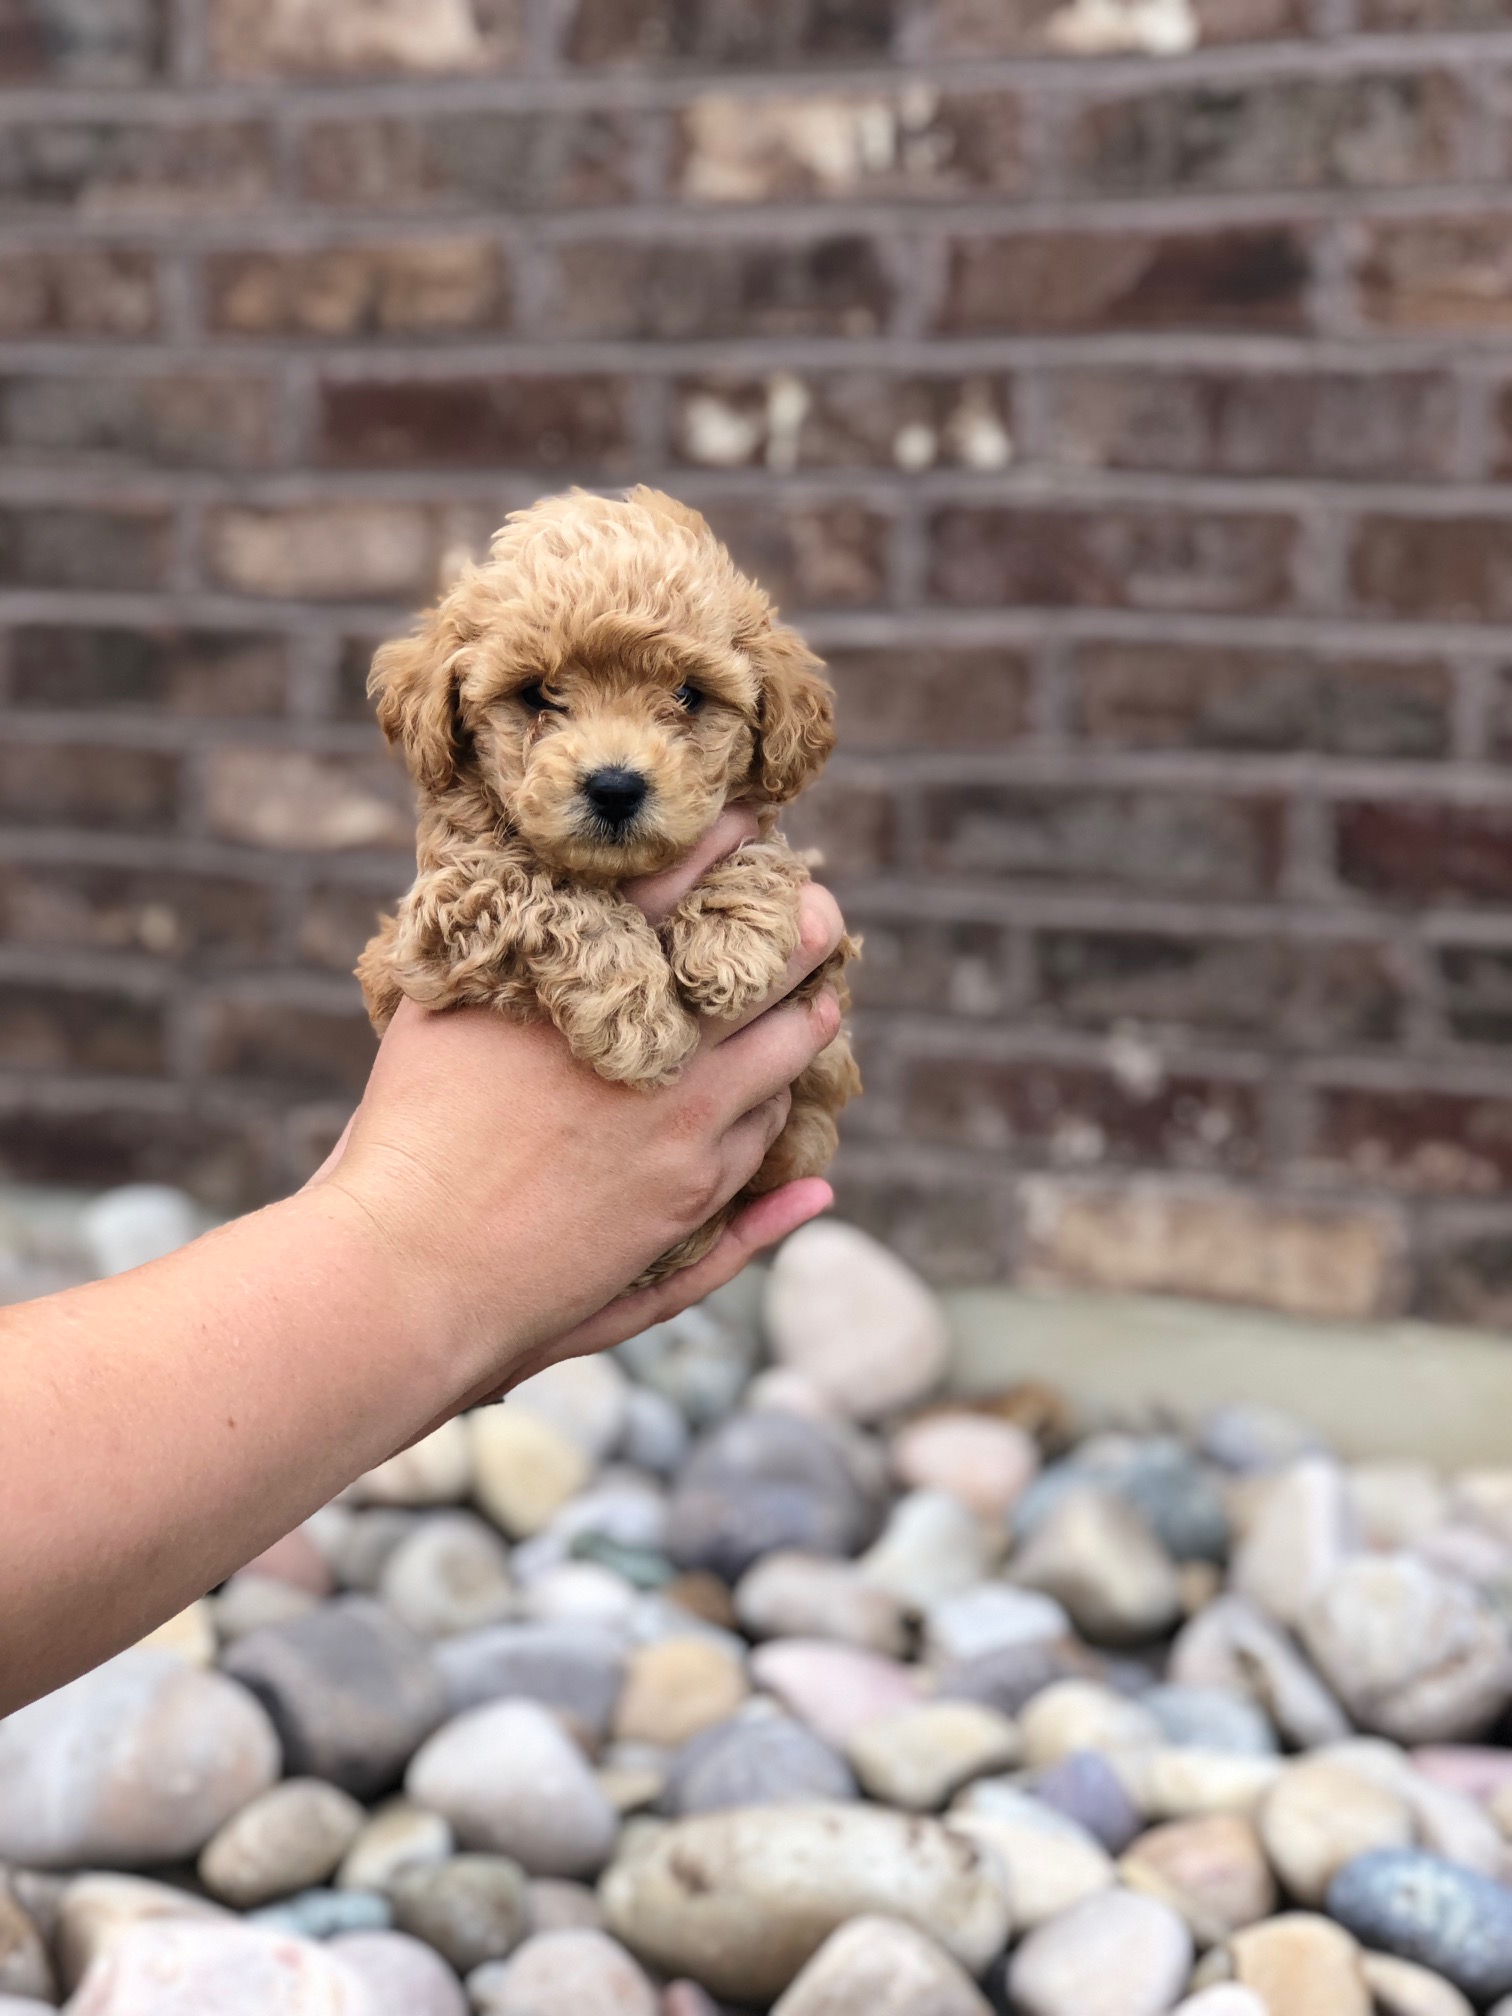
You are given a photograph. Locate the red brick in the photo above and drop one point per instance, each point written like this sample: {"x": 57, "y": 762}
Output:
{"x": 1438, "y": 273}
{"x": 839, "y": 421}
{"x": 835, "y": 286}
{"x": 287, "y": 800}
{"x": 61, "y": 784}
{"x": 80, "y": 292}
{"x": 1242, "y": 278}
{"x": 850, "y": 825}
{"x": 939, "y": 968}
{"x": 1377, "y": 130}
{"x": 1109, "y": 977}
{"x": 1078, "y": 1116}
{"x": 434, "y": 285}
{"x": 312, "y": 1049}
{"x": 1041, "y": 27}
{"x": 210, "y": 672}
{"x": 190, "y": 918}
{"x": 1437, "y": 1142}
{"x": 107, "y": 42}
{"x": 1477, "y": 992}
{"x": 57, "y": 546}
{"x": 953, "y": 1231}
{"x": 326, "y": 551}
{"x": 1176, "y": 843}
{"x": 119, "y": 168}
{"x": 1347, "y": 994}
{"x": 924, "y": 697}
{"x": 1456, "y": 569}
{"x": 518, "y": 160}
{"x": 96, "y": 1148}
{"x": 732, "y": 32}
{"x": 353, "y": 38}
{"x": 1425, "y": 853}
{"x": 188, "y": 420}
{"x": 530, "y": 423}
{"x": 1173, "y": 696}
{"x": 58, "y": 1028}
{"x": 809, "y": 556}
{"x": 1380, "y": 424}
{"x": 1119, "y": 557}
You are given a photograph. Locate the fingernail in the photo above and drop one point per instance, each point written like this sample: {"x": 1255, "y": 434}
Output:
{"x": 827, "y": 1007}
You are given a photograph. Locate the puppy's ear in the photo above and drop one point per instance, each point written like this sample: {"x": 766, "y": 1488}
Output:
{"x": 414, "y": 682}
{"x": 796, "y": 713}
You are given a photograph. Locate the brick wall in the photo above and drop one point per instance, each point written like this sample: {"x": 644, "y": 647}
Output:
{"x": 1119, "y": 393}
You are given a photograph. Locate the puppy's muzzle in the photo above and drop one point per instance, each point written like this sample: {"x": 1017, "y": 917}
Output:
{"x": 616, "y": 795}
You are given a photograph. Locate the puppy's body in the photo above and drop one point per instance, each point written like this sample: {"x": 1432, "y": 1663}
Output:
{"x": 577, "y": 712}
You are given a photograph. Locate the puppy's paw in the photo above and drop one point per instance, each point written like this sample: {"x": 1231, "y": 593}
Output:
{"x": 633, "y": 1030}
{"x": 730, "y": 939}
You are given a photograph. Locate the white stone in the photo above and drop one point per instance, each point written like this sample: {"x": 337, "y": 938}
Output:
{"x": 585, "y": 1399}
{"x": 571, "y": 1973}
{"x": 793, "y": 1595}
{"x": 1300, "y": 1534}
{"x": 1049, "y": 1861}
{"x": 932, "y": 1547}
{"x": 290, "y": 1837}
{"x": 1175, "y": 1784}
{"x": 97, "y": 1910}
{"x": 881, "y": 1967}
{"x": 858, "y": 1322}
{"x": 403, "y": 1977}
{"x": 1319, "y": 1815}
{"x": 1072, "y": 1715}
{"x": 1095, "y": 1554}
{"x": 179, "y": 1969}
{"x": 436, "y": 1470}
{"x": 524, "y": 1470}
{"x": 917, "y": 1758}
{"x": 1117, "y": 1954}
{"x": 140, "y": 1222}
{"x": 988, "y": 1617}
{"x": 450, "y": 1575}
{"x": 988, "y": 1463}
{"x": 399, "y": 1835}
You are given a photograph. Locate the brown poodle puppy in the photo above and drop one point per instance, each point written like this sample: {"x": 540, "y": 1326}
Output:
{"x": 577, "y": 711}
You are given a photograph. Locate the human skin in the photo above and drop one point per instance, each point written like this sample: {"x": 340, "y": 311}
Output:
{"x": 478, "y": 1221}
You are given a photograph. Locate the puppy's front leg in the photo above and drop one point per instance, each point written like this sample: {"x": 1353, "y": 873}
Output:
{"x": 730, "y": 939}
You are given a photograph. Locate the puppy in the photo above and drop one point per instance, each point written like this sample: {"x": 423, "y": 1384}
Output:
{"x": 577, "y": 711}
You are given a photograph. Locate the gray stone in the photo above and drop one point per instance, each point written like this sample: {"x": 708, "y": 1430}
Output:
{"x": 857, "y": 1322}
{"x": 1232, "y": 1645}
{"x": 989, "y": 1617}
{"x": 1085, "y": 1788}
{"x": 1210, "y": 1718}
{"x": 577, "y": 1973}
{"x": 1116, "y": 1954}
{"x": 700, "y": 1361}
{"x": 790, "y": 1595}
{"x": 402, "y": 1977}
{"x": 656, "y": 1434}
{"x": 1097, "y": 1556}
{"x": 577, "y": 1667}
{"x": 755, "y": 1761}
{"x": 449, "y": 1576}
{"x": 370, "y": 1539}
{"x": 766, "y": 1481}
{"x": 1157, "y": 1475}
{"x": 1010, "y": 1678}
{"x": 932, "y": 1547}
{"x": 1422, "y": 1908}
{"x": 471, "y": 1909}
{"x": 1247, "y": 1436}
{"x": 881, "y": 1967}
{"x": 321, "y": 1914}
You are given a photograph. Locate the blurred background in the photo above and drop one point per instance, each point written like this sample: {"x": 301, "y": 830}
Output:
{"x": 1118, "y": 394}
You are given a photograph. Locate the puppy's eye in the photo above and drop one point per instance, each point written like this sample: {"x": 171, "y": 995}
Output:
{"x": 689, "y": 699}
{"x": 534, "y": 697}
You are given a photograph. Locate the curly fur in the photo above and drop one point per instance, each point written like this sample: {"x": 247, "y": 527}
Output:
{"x": 607, "y": 611}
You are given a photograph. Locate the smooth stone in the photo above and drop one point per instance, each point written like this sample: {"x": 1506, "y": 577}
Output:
{"x": 97, "y": 1910}
{"x": 791, "y": 1595}
{"x": 1224, "y": 2000}
{"x": 1411, "y": 1654}
{"x": 756, "y": 1761}
{"x": 988, "y": 1617}
{"x": 1444, "y": 1822}
{"x": 249, "y": 1602}
{"x": 575, "y": 1666}
{"x": 675, "y": 1688}
{"x": 1247, "y": 1436}
{"x": 987, "y": 1464}
{"x": 1419, "y": 1907}
{"x": 1399, "y": 1988}
{"x": 1116, "y": 1954}
{"x": 137, "y": 1222}
{"x": 1211, "y": 1869}
{"x": 290, "y": 1837}
{"x": 581, "y": 1973}
{"x": 1396, "y": 1504}
{"x": 1300, "y": 1535}
{"x": 881, "y": 1967}
{"x": 785, "y": 1386}
{"x": 919, "y": 1757}
{"x": 524, "y": 1470}
{"x": 190, "y": 1636}
{"x": 559, "y": 1906}
{"x": 657, "y": 1616}
{"x": 362, "y": 1552}
{"x": 1233, "y": 1645}
{"x": 351, "y": 1692}
{"x": 1302, "y": 1964}
{"x": 510, "y": 1781}
{"x": 399, "y": 1835}
{"x": 741, "y": 1901}
{"x": 296, "y": 1559}
{"x": 1096, "y": 1556}
{"x": 1476, "y": 1770}
{"x": 451, "y": 1575}
{"x": 932, "y": 1547}
{"x": 623, "y": 1506}
{"x": 1210, "y": 1718}
{"x": 853, "y": 1318}
{"x": 182, "y": 1969}
{"x": 679, "y": 1998}
{"x": 436, "y": 1470}
{"x": 1051, "y": 1863}
{"x": 402, "y": 1976}
{"x": 1071, "y": 1715}
{"x": 835, "y": 1689}
{"x": 1157, "y": 1476}
{"x": 471, "y": 1908}
{"x": 633, "y": 1776}
{"x": 25, "y": 1968}
{"x": 138, "y": 1762}
{"x": 585, "y": 1399}
{"x": 701, "y": 1360}
{"x": 322, "y": 1914}
{"x": 656, "y": 1434}
{"x": 1010, "y": 1678}
{"x": 1319, "y": 1815}
{"x": 765, "y": 1481}
{"x": 1085, "y": 1788}
{"x": 1169, "y": 1784}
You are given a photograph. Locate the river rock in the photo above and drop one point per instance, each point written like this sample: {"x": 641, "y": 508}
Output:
{"x": 436, "y": 1470}
{"x": 574, "y": 1666}
{"x": 756, "y": 1761}
{"x": 402, "y": 1976}
{"x": 1156, "y": 1475}
{"x": 1116, "y": 1954}
{"x": 510, "y": 1781}
{"x": 97, "y": 1910}
{"x": 296, "y": 1559}
{"x": 656, "y": 1434}
{"x": 138, "y": 1762}
{"x": 323, "y": 1913}
{"x": 1086, "y": 1789}
{"x": 1318, "y": 1816}
{"x": 288, "y": 1838}
{"x": 450, "y": 1575}
{"x": 987, "y": 1464}
{"x": 835, "y": 1689}
{"x": 1050, "y": 1862}
{"x": 1098, "y": 1558}
{"x": 585, "y": 1399}
{"x": 566, "y": 1974}
{"x": 1233, "y": 1645}
{"x": 1224, "y": 2000}
{"x": 1398, "y": 1988}
{"x": 471, "y": 1908}
{"x": 399, "y": 1835}
{"x": 766, "y": 1481}
{"x": 1302, "y": 1964}
{"x": 1171, "y": 1784}
{"x": 853, "y": 1318}
{"x": 918, "y": 1757}
{"x": 932, "y": 1547}
{"x": 350, "y": 1690}
{"x": 791, "y": 1595}
{"x": 1211, "y": 1869}
{"x": 25, "y": 1968}
{"x": 1210, "y": 1718}
{"x": 557, "y": 1905}
{"x": 524, "y": 1470}
{"x": 1073, "y": 1715}
{"x": 881, "y": 1967}
{"x": 1297, "y": 1540}
{"x": 1011, "y": 1677}
{"x": 1248, "y": 1436}
{"x": 700, "y": 1360}
{"x": 180, "y": 1969}
{"x": 249, "y": 1602}
{"x": 360, "y": 1553}
{"x": 190, "y": 1635}
{"x": 988, "y": 1617}
{"x": 741, "y": 1901}
{"x": 675, "y": 1688}
{"x": 1421, "y": 1908}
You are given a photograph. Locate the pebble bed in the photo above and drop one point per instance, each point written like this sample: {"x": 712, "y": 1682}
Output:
{"x": 740, "y": 1670}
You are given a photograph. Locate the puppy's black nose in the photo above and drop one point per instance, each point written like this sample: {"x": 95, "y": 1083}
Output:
{"x": 616, "y": 795}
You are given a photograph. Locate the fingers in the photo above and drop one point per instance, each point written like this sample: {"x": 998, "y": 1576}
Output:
{"x": 745, "y": 1145}
{"x": 766, "y": 1056}
{"x": 659, "y": 895}
{"x": 820, "y": 929}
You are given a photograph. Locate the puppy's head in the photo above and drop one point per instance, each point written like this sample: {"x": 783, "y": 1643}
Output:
{"x": 603, "y": 685}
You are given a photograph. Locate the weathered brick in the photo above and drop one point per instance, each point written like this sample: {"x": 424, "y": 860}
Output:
{"x": 1476, "y": 982}
{"x": 192, "y": 918}
{"x": 1397, "y": 17}
{"x": 360, "y": 551}
{"x": 105, "y": 42}
{"x": 1118, "y": 557}
{"x": 516, "y": 159}
{"x": 1174, "y": 842}
{"x": 1242, "y": 278}
{"x": 942, "y": 968}
{"x": 309, "y": 1048}
{"x": 1106, "y": 977}
{"x": 531, "y": 423}
{"x": 915, "y": 142}
{"x": 1376, "y": 130}
{"x": 59, "y": 546}
{"x": 850, "y": 825}
{"x": 391, "y": 289}
{"x": 1347, "y": 994}
{"x": 922, "y": 697}
{"x": 953, "y": 1230}
{"x": 338, "y": 921}
{"x": 1080, "y": 1117}
{"x": 836, "y": 286}
{"x": 112, "y": 168}
{"x": 788, "y": 420}
{"x": 352, "y": 668}
{"x": 173, "y": 671}
{"x": 191, "y": 420}
{"x": 1175, "y": 696}
{"x": 809, "y": 556}
{"x": 63, "y": 1028}
{"x": 1077, "y": 28}
{"x": 86, "y": 291}
{"x": 1448, "y": 1143}
{"x": 733, "y": 32}
{"x": 62, "y": 784}
{"x": 95, "y": 1148}
{"x": 345, "y": 38}
{"x": 1455, "y": 569}
{"x": 1378, "y": 424}
{"x": 1424, "y": 853}
{"x": 289, "y": 800}
{"x": 1438, "y": 273}
{"x": 1151, "y": 1237}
